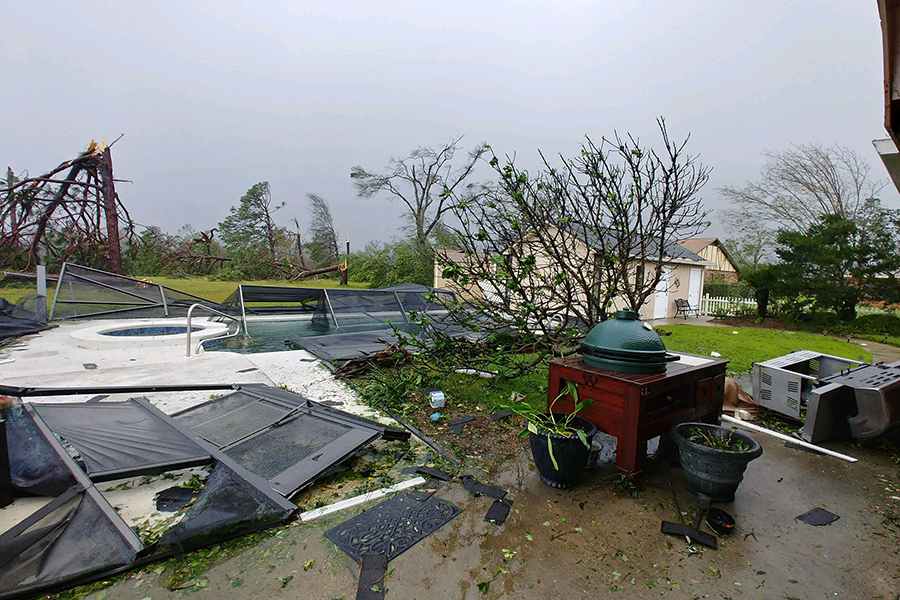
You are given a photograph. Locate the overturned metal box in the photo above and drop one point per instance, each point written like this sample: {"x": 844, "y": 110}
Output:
{"x": 784, "y": 384}
{"x": 863, "y": 403}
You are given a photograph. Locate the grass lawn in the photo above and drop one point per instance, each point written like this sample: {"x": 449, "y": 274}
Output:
{"x": 216, "y": 291}
{"x": 743, "y": 346}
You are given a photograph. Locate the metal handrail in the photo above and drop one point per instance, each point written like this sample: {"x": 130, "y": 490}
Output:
{"x": 216, "y": 312}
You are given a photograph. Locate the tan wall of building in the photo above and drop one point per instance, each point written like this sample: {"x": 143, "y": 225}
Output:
{"x": 679, "y": 285}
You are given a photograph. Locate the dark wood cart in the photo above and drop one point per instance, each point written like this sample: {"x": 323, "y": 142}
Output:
{"x": 636, "y": 408}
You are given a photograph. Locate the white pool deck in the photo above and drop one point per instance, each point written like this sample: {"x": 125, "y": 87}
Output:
{"x": 73, "y": 355}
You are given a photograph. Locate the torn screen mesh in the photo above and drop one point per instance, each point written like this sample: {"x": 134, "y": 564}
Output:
{"x": 227, "y": 506}
{"x": 119, "y": 437}
{"x": 69, "y": 539}
{"x": 281, "y": 447}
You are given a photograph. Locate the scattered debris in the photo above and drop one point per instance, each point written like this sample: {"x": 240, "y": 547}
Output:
{"x": 787, "y": 438}
{"x": 720, "y": 521}
{"x": 456, "y": 425}
{"x": 476, "y": 488}
{"x": 173, "y": 498}
{"x": 691, "y": 532}
{"x": 498, "y": 511}
{"x": 818, "y": 517}
{"x": 436, "y": 397}
{"x": 424, "y": 438}
{"x": 392, "y": 356}
{"x": 436, "y": 473}
{"x": 501, "y": 414}
{"x": 482, "y": 374}
{"x": 736, "y": 399}
{"x": 372, "y": 570}
{"x": 426, "y": 490}
{"x": 361, "y": 499}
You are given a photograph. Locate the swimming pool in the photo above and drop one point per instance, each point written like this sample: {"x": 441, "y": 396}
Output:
{"x": 269, "y": 335}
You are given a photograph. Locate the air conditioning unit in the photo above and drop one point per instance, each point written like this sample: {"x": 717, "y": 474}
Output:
{"x": 784, "y": 384}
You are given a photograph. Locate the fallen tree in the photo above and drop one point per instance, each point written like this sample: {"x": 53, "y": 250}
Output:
{"x": 55, "y": 218}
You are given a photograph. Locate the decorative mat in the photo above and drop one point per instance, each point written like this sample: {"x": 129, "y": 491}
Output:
{"x": 392, "y": 527}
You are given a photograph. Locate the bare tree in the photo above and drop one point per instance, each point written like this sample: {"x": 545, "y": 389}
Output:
{"x": 550, "y": 250}
{"x": 323, "y": 244}
{"x": 800, "y": 185}
{"x": 752, "y": 242}
{"x": 424, "y": 181}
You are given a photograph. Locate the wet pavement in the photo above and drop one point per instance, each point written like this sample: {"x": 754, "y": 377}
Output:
{"x": 596, "y": 540}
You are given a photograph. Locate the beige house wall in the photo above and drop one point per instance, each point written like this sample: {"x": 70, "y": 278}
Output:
{"x": 679, "y": 284}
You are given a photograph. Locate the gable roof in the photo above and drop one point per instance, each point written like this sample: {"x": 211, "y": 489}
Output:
{"x": 698, "y": 244}
{"x": 672, "y": 251}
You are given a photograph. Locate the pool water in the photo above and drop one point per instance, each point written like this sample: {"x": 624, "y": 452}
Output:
{"x": 270, "y": 335}
{"x": 267, "y": 336}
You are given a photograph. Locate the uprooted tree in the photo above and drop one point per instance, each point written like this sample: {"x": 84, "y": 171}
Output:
{"x": 71, "y": 213}
{"x": 547, "y": 252}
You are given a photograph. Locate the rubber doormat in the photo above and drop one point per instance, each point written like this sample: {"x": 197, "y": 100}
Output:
{"x": 392, "y": 527}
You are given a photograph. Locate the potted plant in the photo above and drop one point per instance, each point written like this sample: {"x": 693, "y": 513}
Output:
{"x": 714, "y": 458}
{"x": 560, "y": 442}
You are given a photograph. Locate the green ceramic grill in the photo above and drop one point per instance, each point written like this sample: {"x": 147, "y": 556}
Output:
{"x": 626, "y": 345}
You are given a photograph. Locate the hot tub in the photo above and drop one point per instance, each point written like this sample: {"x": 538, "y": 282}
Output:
{"x": 146, "y": 333}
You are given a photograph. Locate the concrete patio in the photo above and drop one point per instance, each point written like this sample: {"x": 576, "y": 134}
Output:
{"x": 595, "y": 540}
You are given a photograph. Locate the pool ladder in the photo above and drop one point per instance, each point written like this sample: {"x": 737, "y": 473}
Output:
{"x": 215, "y": 312}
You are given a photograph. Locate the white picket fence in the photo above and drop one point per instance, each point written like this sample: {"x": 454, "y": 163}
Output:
{"x": 864, "y": 309}
{"x": 710, "y": 305}
{"x": 721, "y": 305}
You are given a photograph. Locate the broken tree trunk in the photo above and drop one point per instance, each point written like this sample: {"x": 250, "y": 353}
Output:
{"x": 112, "y": 214}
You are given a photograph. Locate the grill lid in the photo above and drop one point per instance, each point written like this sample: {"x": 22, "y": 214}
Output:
{"x": 625, "y": 343}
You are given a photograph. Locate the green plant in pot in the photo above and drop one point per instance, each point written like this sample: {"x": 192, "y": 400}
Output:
{"x": 714, "y": 458}
{"x": 560, "y": 442}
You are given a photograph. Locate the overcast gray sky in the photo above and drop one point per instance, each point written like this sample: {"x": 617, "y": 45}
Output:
{"x": 213, "y": 97}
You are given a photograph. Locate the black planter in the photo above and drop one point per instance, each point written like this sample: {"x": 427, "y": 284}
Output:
{"x": 708, "y": 471}
{"x": 570, "y": 453}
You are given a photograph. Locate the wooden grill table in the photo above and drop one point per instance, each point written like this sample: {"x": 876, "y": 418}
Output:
{"x": 638, "y": 407}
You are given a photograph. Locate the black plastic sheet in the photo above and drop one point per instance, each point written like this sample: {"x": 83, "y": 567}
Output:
{"x": 29, "y": 316}
{"x": 35, "y": 468}
{"x": 67, "y": 541}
